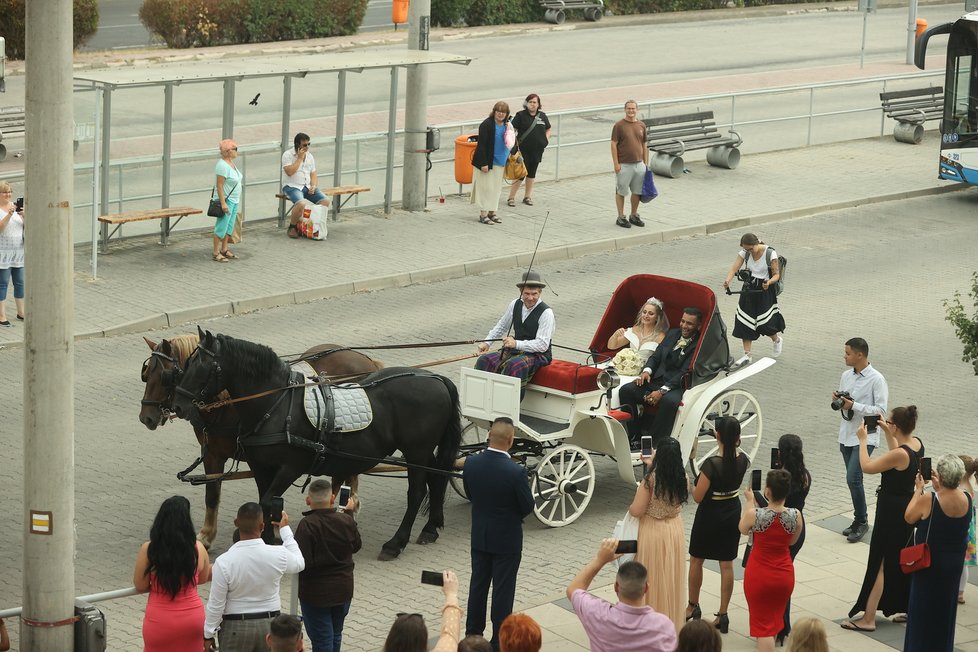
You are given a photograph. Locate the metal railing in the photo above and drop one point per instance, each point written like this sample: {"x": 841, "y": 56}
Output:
{"x": 805, "y": 105}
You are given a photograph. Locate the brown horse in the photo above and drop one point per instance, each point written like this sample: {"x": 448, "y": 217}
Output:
{"x": 217, "y": 430}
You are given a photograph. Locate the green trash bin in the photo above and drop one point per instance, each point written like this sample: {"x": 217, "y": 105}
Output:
{"x": 464, "y": 151}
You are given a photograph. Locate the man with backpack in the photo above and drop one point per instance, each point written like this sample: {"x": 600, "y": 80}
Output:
{"x": 758, "y": 313}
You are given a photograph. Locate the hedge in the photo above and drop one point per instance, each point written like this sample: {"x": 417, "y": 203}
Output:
{"x": 197, "y": 23}
{"x": 12, "y": 26}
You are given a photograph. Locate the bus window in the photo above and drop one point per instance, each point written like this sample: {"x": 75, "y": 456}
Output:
{"x": 961, "y": 100}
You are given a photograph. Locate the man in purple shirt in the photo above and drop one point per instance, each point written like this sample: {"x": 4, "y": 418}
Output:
{"x": 628, "y": 625}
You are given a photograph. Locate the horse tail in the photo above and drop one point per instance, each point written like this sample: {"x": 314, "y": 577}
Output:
{"x": 451, "y": 439}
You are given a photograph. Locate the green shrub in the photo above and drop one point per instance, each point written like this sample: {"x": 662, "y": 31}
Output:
{"x": 501, "y": 12}
{"x": 449, "y": 13}
{"x": 198, "y": 23}
{"x": 13, "y": 28}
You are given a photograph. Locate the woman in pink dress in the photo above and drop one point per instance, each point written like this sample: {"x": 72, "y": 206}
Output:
{"x": 170, "y": 566}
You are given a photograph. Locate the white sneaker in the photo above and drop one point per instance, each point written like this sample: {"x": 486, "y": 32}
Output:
{"x": 778, "y": 346}
{"x": 742, "y": 361}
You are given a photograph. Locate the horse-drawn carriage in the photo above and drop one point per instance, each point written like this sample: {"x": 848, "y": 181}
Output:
{"x": 566, "y": 417}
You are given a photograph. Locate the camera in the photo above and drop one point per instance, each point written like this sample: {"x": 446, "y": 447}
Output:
{"x": 743, "y": 275}
{"x": 839, "y": 401}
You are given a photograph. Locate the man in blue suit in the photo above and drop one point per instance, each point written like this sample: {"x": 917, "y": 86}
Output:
{"x": 500, "y": 494}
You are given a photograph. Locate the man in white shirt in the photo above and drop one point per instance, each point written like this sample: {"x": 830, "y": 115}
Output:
{"x": 528, "y": 348}
{"x": 867, "y": 394}
{"x": 301, "y": 184}
{"x": 245, "y": 584}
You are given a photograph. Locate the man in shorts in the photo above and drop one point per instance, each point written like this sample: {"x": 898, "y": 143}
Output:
{"x": 630, "y": 157}
{"x": 301, "y": 182}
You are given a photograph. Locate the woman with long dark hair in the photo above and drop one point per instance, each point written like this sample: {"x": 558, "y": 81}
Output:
{"x": 715, "y": 534}
{"x": 170, "y": 566}
{"x": 757, "y": 312}
{"x": 885, "y": 587}
{"x": 792, "y": 459}
{"x": 532, "y": 137}
{"x": 658, "y": 502}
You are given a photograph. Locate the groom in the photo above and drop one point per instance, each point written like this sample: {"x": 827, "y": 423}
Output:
{"x": 660, "y": 383}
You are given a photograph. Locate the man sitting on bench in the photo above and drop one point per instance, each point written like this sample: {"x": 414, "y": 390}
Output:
{"x": 660, "y": 383}
{"x": 300, "y": 181}
{"x": 533, "y": 326}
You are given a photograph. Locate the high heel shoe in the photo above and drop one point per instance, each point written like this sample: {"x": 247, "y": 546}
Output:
{"x": 722, "y": 622}
{"x": 779, "y": 639}
{"x": 695, "y": 613}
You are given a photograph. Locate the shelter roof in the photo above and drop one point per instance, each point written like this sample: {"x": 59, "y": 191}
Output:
{"x": 211, "y": 70}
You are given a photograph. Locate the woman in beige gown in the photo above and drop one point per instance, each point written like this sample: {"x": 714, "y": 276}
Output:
{"x": 658, "y": 503}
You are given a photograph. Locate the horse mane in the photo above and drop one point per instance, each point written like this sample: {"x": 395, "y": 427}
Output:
{"x": 254, "y": 362}
{"x": 182, "y": 346}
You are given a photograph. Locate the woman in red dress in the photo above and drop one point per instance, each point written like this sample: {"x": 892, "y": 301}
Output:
{"x": 770, "y": 576}
{"x": 170, "y": 566}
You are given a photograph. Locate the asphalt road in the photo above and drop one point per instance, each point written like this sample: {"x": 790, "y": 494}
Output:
{"x": 879, "y": 272}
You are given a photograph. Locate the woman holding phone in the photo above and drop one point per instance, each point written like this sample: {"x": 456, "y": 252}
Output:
{"x": 658, "y": 502}
{"x": 791, "y": 458}
{"x": 885, "y": 587}
{"x": 715, "y": 534}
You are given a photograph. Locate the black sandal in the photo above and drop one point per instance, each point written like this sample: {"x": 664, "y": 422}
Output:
{"x": 484, "y": 219}
{"x": 495, "y": 220}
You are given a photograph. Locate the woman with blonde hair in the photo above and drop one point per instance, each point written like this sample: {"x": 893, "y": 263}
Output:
{"x": 808, "y": 635}
{"x": 227, "y": 189}
{"x": 641, "y": 339}
{"x": 11, "y": 253}
{"x": 496, "y": 136}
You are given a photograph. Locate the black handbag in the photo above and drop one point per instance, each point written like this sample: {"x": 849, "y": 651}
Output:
{"x": 214, "y": 208}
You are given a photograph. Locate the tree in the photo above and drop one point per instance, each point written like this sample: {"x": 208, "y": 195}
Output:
{"x": 965, "y": 326}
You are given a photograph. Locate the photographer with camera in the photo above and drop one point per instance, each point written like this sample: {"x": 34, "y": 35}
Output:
{"x": 757, "y": 312}
{"x": 861, "y": 392}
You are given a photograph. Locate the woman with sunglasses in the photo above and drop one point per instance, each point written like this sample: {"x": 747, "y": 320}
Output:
{"x": 11, "y": 253}
{"x": 227, "y": 189}
{"x": 410, "y": 634}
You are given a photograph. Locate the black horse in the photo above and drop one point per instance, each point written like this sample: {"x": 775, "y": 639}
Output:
{"x": 414, "y": 411}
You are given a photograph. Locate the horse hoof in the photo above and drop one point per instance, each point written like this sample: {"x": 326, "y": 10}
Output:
{"x": 427, "y": 537}
{"x": 388, "y": 555}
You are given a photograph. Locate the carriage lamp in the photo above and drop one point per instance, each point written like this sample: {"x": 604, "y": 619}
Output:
{"x": 608, "y": 379}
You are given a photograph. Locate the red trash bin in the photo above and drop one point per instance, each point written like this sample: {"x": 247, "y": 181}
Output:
{"x": 464, "y": 151}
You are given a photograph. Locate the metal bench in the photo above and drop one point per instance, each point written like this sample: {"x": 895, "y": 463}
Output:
{"x": 556, "y": 10}
{"x": 164, "y": 214}
{"x": 336, "y": 204}
{"x": 911, "y": 109}
{"x": 12, "y": 121}
{"x": 669, "y": 137}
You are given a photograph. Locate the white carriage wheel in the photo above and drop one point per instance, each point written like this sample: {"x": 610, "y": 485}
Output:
{"x": 734, "y": 403}
{"x": 472, "y": 435}
{"x": 562, "y": 485}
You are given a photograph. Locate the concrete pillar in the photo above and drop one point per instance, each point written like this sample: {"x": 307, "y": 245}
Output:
{"x": 48, "y": 519}
{"x": 416, "y": 109}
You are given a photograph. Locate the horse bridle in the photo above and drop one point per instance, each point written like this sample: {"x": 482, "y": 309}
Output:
{"x": 215, "y": 373}
{"x": 169, "y": 378}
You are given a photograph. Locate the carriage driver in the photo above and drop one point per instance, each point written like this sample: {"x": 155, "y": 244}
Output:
{"x": 528, "y": 348}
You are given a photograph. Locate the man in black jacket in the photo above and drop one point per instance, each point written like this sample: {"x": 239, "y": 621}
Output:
{"x": 500, "y": 494}
{"x": 660, "y": 383}
{"x": 327, "y": 537}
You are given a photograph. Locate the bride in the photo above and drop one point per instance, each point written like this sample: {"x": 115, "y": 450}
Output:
{"x": 642, "y": 338}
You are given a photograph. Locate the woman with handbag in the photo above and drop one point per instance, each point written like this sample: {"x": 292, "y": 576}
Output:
{"x": 227, "y": 190}
{"x": 496, "y": 137}
{"x": 942, "y": 519}
{"x": 757, "y": 311}
{"x": 658, "y": 502}
{"x": 532, "y": 137}
{"x": 885, "y": 588}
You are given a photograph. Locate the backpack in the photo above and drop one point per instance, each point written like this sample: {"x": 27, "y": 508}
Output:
{"x": 782, "y": 263}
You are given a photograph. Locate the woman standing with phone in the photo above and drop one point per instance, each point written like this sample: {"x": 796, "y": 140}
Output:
{"x": 791, "y": 458}
{"x": 11, "y": 253}
{"x": 715, "y": 534}
{"x": 658, "y": 502}
{"x": 885, "y": 587}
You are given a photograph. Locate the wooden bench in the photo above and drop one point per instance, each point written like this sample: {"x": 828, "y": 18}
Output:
{"x": 335, "y": 193}
{"x": 671, "y": 136}
{"x": 911, "y": 109}
{"x": 12, "y": 120}
{"x": 163, "y": 214}
{"x": 556, "y": 10}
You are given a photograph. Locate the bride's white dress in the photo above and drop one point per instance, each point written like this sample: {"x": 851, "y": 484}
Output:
{"x": 644, "y": 351}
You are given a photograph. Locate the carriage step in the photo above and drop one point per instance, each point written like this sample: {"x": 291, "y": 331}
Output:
{"x": 543, "y": 426}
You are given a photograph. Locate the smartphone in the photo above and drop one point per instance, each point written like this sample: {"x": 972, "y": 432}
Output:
{"x": 344, "y": 495}
{"x": 646, "y": 446}
{"x": 627, "y": 546}
{"x": 925, "y": 468}
{"x": 871, "y": 420}
{"x": 432, "y": 577}
{"x": 19, "y": 204}
{"x": 275, "y": 507}
{"x": 775, "y": 458}
{"x": 755, "y": 480}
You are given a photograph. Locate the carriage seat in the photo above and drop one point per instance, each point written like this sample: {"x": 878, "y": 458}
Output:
{"x": 567, "y": 377}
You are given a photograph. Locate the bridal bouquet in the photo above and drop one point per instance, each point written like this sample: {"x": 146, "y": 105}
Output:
{"x": 628, "y": 362}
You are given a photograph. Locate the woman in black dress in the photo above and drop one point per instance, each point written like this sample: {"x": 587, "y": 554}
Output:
{"x": 885, "y": 587}
{"x": 792, "y": 460}
{"x": 757, "y": 312}
{"x": 942, "y": 520}
{"x": 532, "y": 136}
{"x": 715, "y": 533}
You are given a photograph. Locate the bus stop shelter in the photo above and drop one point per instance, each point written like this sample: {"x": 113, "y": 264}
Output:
{"x": 231, "y": 71}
